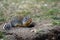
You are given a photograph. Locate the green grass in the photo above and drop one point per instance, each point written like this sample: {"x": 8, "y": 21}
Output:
{"x": 56, "y": 22}
{"x": 1, "y": 34}
{"x": 53, "y": 14}
{"x": 23, "y": 13}
{"x": 46, "y": 11}
{"x": 2, "y": 19}
{"x": 52, "y": 0}
{"x": 1, "y": 13}
{"x": 52, "y": 11}
{"x": 48, "y": 0}
{"x": 2, "y": 16}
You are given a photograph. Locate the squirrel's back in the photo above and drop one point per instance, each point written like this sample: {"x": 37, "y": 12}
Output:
{"x": 19, "y": 22}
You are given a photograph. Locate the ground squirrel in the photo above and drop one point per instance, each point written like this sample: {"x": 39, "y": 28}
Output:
{"x": 18, "y": 22}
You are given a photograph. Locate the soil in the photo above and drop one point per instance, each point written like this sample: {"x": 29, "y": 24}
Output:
{"x": 41, "y": 31}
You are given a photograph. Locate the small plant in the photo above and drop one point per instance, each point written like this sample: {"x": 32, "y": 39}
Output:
{"x": 55, "y": 18}
{"x": 56, "y": 22}
{"x": 1, "y": 34}
{"x": 2, "y": 19}
{"x": 1, "y": 13}
{"x": 52, "y": 11}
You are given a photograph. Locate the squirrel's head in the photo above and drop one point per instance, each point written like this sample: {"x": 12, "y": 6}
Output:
{"x": 26, "y": 21}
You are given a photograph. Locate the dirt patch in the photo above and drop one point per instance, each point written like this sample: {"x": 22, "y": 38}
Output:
{"x": 39, "y": 32}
